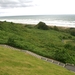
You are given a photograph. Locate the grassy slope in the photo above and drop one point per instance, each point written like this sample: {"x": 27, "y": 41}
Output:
{"x": 14, "y": 62}
{"x": 43, "y": 42}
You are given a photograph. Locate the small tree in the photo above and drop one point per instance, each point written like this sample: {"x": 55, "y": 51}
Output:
{"x": 56, "y": 28}
{"x": 42, "y": 25}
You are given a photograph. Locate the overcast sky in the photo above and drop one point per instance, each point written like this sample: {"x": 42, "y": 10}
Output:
{"x": 36, "y": 7}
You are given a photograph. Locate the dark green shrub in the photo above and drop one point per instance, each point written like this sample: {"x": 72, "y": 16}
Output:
{"x": 11, "y": 22}
{"x": 70, "y": 47}
{"x": 42, "y": 25}
{"x": 56, "y": 28}
{"x": 67, "y": 46}
{"x": 72, "y": 31}
{"x": 62, "y": 55}
{"x": 14, "y": 40}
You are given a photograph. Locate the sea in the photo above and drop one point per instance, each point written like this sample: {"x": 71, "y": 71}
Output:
{"x": 51, "y": 20}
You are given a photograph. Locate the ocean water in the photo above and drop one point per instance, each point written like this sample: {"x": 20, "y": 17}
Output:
{"x": 55, "y": 20}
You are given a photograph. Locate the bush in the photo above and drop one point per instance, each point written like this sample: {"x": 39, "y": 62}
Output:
{"x": 14, "y": 40}
{"x": 29, "y": 26}
{"x": 68, "y": 46}
{"x": 72, "y": 31}
{"x": 42, "y": 25}
{"x": 56, "y": 28}
{"x": 62, "y": 55}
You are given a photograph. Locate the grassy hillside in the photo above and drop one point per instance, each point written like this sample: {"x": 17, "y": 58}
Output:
{"x": 13, "y": 62}
{"x": 53, "y": 43}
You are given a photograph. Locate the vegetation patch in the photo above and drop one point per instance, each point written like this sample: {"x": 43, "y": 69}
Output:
{"x": 13, "y": 62}
{"x": 41, "y": 39}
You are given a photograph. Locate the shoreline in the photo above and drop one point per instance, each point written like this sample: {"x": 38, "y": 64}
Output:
{"x": 67, "y": 21}
{"x": 52, "y": 25}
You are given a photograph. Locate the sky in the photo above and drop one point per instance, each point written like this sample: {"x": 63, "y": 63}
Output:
{"x": 36, "y": 7}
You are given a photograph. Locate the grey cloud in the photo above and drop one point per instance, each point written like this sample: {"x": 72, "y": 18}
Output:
{"x": 15, "y": 3}
{"x": 27, "y": 1}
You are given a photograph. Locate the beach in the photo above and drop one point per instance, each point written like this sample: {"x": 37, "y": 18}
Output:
{"x": 50, "y": 20}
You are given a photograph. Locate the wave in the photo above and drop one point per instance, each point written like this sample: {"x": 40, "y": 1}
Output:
{"x": 66, "y": 21}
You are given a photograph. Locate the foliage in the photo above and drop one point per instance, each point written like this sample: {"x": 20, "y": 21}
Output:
{"x": 47, "y": 43}
{"x": 14, "y": 62}
{"x": 29, "y": 26}
{"x": 68, "y": 46}
{"x": 62, "y": 55}
{"x": 72, "y": 31}
{"x": 42, "y": 25}
{"x": 55, "y": 28}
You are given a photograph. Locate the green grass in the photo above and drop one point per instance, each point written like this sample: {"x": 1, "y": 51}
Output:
{"x": 48, "y": 43}
{"x": 13, "y": 62}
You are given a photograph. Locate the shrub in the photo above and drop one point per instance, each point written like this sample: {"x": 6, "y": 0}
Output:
{"x": 67, "y": 46}
{"x": 56, "y": 28}
{"x": 29, "y": 26}
{"x": 42, "y": 25}
{"x": 72, "y": 31}
{"x": 62, "y": 55}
